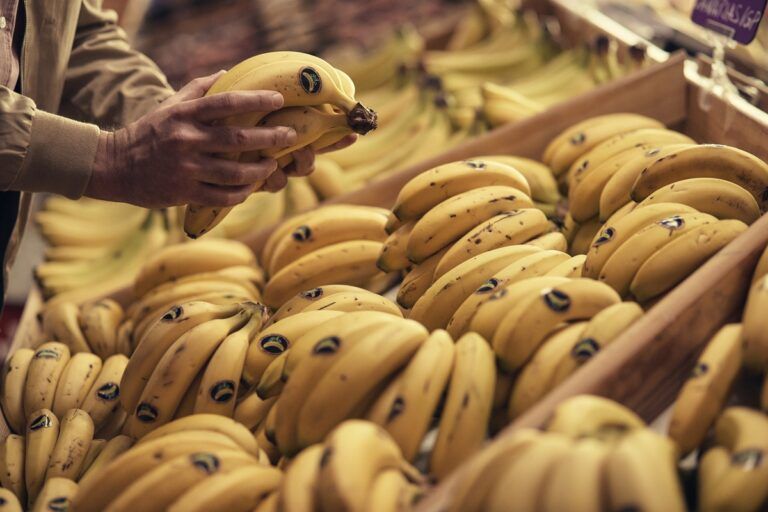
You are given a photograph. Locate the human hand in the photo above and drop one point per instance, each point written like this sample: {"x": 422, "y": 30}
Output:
{"x": 169, "y": 156}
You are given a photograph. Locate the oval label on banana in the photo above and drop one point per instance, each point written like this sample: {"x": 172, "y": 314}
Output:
{"x": 146, "y": 413}
{"x": 173, "y": 314}
{"x": 314, "y": 293}
{"x": 274, "y": 344}
{"x": 222, "y": 391}
{"x": 672, "y": 223}
{"x": 397, "y": 409}
{"x": 476, "y": 164}
{"x": 59, "y": 504}
{"x": 556, "y": 300}
{"x": 207, "y": 462}
{"x": 488, "y": 286}
{"x": 302, "y": 234}
{"x": 578, "y": 139}
{"x": 585, "y": 349}
{"x": 310, "y": 80}
{"x": 699, "y": 370}
{"x": 606, "y": 236}
{"x": 329, "y": 345}
{"x": 747, "y": 460}
{"x": 108, "y": 391}
{"x": 42, "y": 421}
{"x": 47, "y": 353}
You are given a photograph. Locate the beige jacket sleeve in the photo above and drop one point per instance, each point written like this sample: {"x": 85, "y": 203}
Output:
{"x": 106, "y": 82}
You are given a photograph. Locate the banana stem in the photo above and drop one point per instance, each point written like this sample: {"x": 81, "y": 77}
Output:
{"x": 361, "y": 119}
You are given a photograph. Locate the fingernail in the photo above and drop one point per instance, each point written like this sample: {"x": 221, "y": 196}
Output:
{"x": 271, "y": 163}
{"x": 277, "y": 99}
{"x": 290, "y": 136}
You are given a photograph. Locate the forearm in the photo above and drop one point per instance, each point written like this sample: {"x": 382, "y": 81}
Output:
{"x": 42, "y": 152}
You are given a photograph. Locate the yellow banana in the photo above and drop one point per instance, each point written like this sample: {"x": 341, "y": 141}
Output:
{"x": 15, "y": 372}
{"x": 394, "y": 254}
{"x": 584, "y": 416}
{"x": 43, "y": 376}
{"x": 75, "y": 437}
{"x": 100, "y": 322}
{"x": 61, "y": 322}
{"x": 12, "y": 462}
{"x": 55, "y": 494}
{"x": 76, "y": 380}
{"x": 102, "y": 399}
{"x": 418, "y": 280}
{"x": 41, "y": 436}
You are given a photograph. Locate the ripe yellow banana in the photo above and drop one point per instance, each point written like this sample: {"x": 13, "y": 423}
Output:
{"x": 554, "y": 241}
{"x": 703, "y": 395}
{"x": 15, "y": 372}
{"x": 620, "y": 269}
{"x": 511, "y": 228}
{"x": 355, "y": 301}
{"x": 251, "y": 411}
{"x": 220, "y": 379}
{"x": 327, "y": 227}
{"x": 617, "y": 190}
{"x": 706, "y": 161}
{"x": 180, "y": 260}
{"x": 310, "y": 124}
{"x": 10, "y": 503}
{"x": 177, "y": 321}
{"x": 571, "y": 267}
{"x": 55, "y": 495}
{"x": 435, "y": 308}
{"x": 681, "y": 257}
{"x": 583, "y": 236}
{"x": 75, "y": 382}
{"x": 583, "y": 416}
{"x": 394, "y": 254}
{"x": 418, "y": 280}
{"x": 109, "y": 452}
{"x": 576, "y": 481}
{"x": 12, "y": 462}
{"x": 406, "y": 408}
{"x": 521, "y": 331}
{"x": 61, "y": 322}
{"x": 467, "y": 409}
{"x": 42, "y": 433}
{"x": 75, "y": 436}
{"x": 754, "y": 333}
{"x": 177, "y": 368}
{"x": 271, "y": 382}
{"x": 213, "y": 423}
{"x": 531, "y": 265}
{"x": 449, "y": 220}
{"x": 347, "y": 383}
{"x": 301, "y": 300}
{"x": 539, "y": 176}
{"x": 43, "y": 376}
{"x": 351, "y": 262}
{"x": 102, "y": 399}
{"x": 575, "y": 141}
{"x": 100, "y": 322}
{"x": 430, "y": 188}
{"x": 720, "y": 198}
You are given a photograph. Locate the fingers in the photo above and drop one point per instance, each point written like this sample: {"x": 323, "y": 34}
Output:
{"x": 217, "y": 171}
{"x": 276, "y": 182}
{"x": 194, "y": 89}
{"x": 219, "y": 106}
{"x": 343, "y": 143}
{"x": 303, "y": 163}
{"x": 233, "y": 139}
{"x": 215, "y": 195}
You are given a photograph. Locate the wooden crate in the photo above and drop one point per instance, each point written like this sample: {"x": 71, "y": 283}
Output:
{"x": 645, "y": 368}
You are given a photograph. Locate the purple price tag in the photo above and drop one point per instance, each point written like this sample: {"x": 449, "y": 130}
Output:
{"x": 736, "y": 19}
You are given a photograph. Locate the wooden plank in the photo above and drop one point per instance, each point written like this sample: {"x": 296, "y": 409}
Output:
{"x": 646, "y": 366}
{"x": 658, "y": 91}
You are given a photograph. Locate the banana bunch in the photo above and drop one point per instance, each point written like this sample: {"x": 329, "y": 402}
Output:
{"x": 319, "y": 105}
{"x": 97, "y": 248}
{"x": 50, "y": 378}
{"x": 356, "y": 468}
{"x": 88, "y": 328}
{"x": 216, "y": 271}
{"x": 188, "y": 362}
{"x": 335, "y": 244}
{"x": 594, "y": 455}
{"x": 200, "y": 462}
{"x": 41, "y": 467}
{"x": 376, "y": 365}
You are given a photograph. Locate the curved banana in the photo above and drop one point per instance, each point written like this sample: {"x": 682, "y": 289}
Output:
{"x": 523, "y": 329}
{"x": 42, "y": 433}
{"x": 418, "y": 280}
{"x": 576, "y": 481}
{"x": 406, "y": 408}
{"x": 681, "y": 257}
{"x": 554, "y": 241}
{"x": 213, "y": 423}
{"x": 571, "y": 267}
{"x": 252, "y": 410}
{"x": 102, "y": 399}
{"x": 43, "y": 376}
{"x": 451, "y": 219}
{"x": 355, "y": 301}
{"x": 721, "y": 198}
{"x": 76, "y": 380}
{"x": 301, "y": 300}
{"x": 467, "y": 409}
{"x": 430, "y": 188}
{"x": 12, "y": 462}
{"x": 584, "y": 416}
{"x": 55, "y": 494}
{"x": 394, "y": 254}
{"x": 583, "y": 236}
{"x": 510, "y": 228}
{"x": 61, "y": 322}
{"x": 539, "y": 177}
{"x": 351, "y": 262}
{"x": 74, "y": 440}
{"x": 15, "y": 372}
{"x": 100, "y": 322}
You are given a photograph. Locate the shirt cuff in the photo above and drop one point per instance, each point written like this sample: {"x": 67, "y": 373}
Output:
{"x": 60, "y": 156}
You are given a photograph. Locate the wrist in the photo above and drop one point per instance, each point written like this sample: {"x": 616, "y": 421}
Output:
{"x": 101, "y": 184}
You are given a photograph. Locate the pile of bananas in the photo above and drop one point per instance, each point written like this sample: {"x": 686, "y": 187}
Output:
{"x": 96, "y": 247}
{"x": 594, "y": 455}
{"x": 200, "y": 462}
{"x": 93, "y": 327}
{"x": 41, "y": 468}
{"x": 48, "y": 378}
{"x": 320, "y": 105}
{"x": 335, "y": 244}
